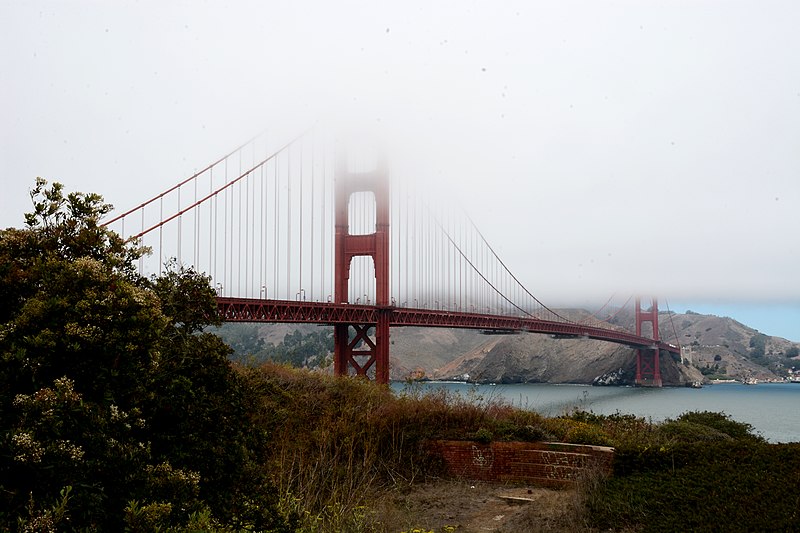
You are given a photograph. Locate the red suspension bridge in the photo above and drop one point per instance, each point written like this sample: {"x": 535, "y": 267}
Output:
{"x": 299, "y": 233}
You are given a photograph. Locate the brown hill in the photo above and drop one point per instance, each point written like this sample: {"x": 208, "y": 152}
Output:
{"x": 729, "y": 348}
{"x": 533, "y": 358}
{"x": 712, "y": 347}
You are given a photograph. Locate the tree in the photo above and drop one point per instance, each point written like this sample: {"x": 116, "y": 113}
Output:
{"x": 242, "y": 338}
{"x": 109, "y": 393}
{"x": 72, "y": 304}
{"x": 202, "y": 407}
{"x": 758, "y": 344}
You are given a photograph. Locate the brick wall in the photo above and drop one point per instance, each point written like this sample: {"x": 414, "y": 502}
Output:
{"x": 550, "y": 464}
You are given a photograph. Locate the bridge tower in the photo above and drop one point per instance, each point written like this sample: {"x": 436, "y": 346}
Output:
{"x": 648, "y": 372}
{"x": 358, "y": 350}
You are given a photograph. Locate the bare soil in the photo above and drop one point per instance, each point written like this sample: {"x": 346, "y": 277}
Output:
{"x": 479, "y": 507}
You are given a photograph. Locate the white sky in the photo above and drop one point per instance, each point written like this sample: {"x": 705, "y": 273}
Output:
{"x": 601, "y": 147}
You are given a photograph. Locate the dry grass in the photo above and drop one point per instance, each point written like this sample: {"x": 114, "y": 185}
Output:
{"x": 349, "y": 455}
{"x": 336, "y": 443}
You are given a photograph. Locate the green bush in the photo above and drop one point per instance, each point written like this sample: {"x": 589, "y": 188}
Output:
{"x": 583, "y": 433}
{"x": 722, "y": 423}
{"x": 574, "y": 430}
{"x": 110, "y": 388}
{"x": 685, "y": 431}
{"x": 483, "y": 435}
{"x": 658, "y": 490}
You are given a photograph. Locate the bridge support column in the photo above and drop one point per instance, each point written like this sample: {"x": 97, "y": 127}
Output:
{"x": 648, "y": 371}
{"x": 355, "y": 348}
{"x": 360, "y": 351}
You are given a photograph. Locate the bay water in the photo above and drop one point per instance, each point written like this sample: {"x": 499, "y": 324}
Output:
{"x": 773, "y": 409}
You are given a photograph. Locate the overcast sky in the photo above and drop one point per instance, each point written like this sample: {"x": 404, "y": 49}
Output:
{"x": 601, "y": 147}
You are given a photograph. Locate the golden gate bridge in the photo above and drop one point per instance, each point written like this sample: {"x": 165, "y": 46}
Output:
{"x": 302, "y": 233}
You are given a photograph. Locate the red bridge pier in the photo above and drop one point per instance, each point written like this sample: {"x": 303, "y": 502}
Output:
{"x": 648, "y": 372}
{"x": 358, "y": 351}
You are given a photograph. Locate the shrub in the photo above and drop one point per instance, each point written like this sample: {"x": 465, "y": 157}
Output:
{"x": 109, "y": 386}
{"x": 483, "y": 435}
{"x": 685, "y": 431}
{"x": 722, "y": 423}
{"x": 658, "y": 490}
{"x": 568, "y": 429}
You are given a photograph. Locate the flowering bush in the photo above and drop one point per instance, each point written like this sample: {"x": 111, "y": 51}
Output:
{"x": 113, "y": 403}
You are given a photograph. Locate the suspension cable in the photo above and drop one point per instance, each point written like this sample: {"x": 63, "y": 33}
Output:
{"x": 511, "y": 273}
{"x": 674, "y": 331}
{"x": 215, "y": 192}
{"x": 184, "y": 182}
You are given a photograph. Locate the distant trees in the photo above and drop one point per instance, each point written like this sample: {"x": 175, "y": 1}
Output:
{"x": 758, "y": 344}
{"x": 298, "y": 349}
{"x": 113, "y": 403}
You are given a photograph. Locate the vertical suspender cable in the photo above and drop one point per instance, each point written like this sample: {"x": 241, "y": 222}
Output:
{"x": 160, "y": 233}
{"x": 275, "y": 229}
{"x": 252, "y": 221}
{"x": 300, "y": 209}
{"x": 141, "y": 241}
{"x": 212, "y": 228}
{"x": 196, "y": 240}
{"x": 409, "y": 242}
{"x": 311, "y": 247}
{"x": 239, "y": 236}
{"x": 180, "y": 219}
{"x": 225, "y": 232}
{"x": 262, "y": 231}
{"x": 289, "y": 223}
{"x": 324, "y": 220}
{"x": 246, "y": 186}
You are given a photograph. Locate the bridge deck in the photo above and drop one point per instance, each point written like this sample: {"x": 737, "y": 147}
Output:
{"x": 288, "y": 311}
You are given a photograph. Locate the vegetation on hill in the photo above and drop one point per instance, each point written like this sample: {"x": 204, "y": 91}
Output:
{"x": 723, "y": 348}
{"x": 299, "y": 347}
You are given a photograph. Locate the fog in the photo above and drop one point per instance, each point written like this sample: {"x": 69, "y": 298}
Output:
{"x": 601, "y": 147}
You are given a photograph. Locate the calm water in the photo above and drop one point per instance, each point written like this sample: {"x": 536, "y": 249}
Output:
{"x": 772, "y": 409}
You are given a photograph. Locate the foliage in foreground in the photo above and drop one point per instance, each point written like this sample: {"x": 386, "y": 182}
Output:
{"x": 338, "y": 442}
{"x": 116, "y": 410}
{"x": 662, "y": 471}
{"x": 743, "y": 486}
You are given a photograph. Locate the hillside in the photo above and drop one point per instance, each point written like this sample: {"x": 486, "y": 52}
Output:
{"x": 712, "y": 348}
{"x": 722, "y": 346}
{"x": 532, "y": 358}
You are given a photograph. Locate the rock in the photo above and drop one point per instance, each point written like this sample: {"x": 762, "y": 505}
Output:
{"x": 615, "y": 378}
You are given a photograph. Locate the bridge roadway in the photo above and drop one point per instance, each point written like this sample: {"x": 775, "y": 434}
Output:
{"x": 289, "y": 311}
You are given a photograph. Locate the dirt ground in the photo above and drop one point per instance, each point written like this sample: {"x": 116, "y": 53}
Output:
{"x": 465, "y": 507}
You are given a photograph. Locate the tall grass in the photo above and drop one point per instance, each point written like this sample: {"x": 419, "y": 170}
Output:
{"x": 337, "y": 443}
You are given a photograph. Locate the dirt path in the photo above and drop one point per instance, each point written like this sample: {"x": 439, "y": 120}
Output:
{"x": 478, "y": 508}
